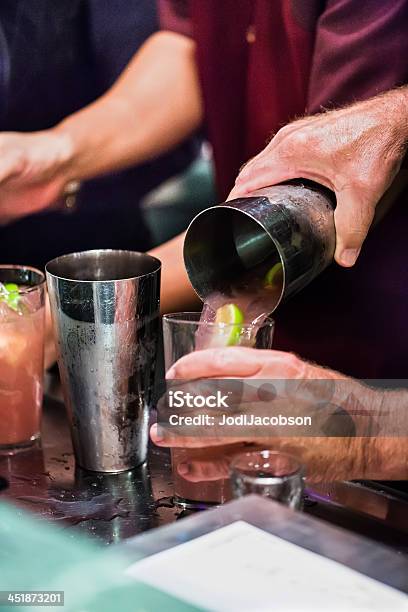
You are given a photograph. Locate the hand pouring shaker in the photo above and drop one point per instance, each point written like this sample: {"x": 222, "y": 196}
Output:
{"x": 291, "y": 224}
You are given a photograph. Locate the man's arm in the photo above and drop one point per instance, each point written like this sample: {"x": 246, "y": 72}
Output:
{"x": 177, "y": 292}
{"x": 377, "y": 449}
{"x": 360, "y": 50}
{"x": 355, "y": 151}
{"x": 153, "y": 106}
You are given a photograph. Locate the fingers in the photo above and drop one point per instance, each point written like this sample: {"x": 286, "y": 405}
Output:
{"x": 286, "y": 157}
{"x": 267, "y": 168}
{"x": 204, "y": 471}
{"x": 354, "y": 212}
{"x": 161, "y": 436}
{"x": 213, "y": 363}
{"x": 353, "y": 217}
{"x": 240, "y": 362}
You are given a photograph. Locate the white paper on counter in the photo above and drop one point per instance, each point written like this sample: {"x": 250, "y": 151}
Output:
{"x": 242, "y": 567}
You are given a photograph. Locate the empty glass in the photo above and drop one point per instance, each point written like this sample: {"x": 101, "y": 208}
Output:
{"x": 268, "y": 473}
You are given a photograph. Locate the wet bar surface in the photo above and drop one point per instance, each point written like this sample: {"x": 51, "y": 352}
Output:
{"x": 113, "y": 507}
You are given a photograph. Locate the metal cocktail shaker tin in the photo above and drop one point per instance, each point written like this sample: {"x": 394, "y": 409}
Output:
{"x": 105, "y": 309}
{"x": 290, "y": 224}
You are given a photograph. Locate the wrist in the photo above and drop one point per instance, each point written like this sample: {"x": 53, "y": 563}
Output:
{"x": 362, "y": 403}
{"x": 401, "y": 97}
{"x": 394, "y": 116}
{"x": 65, "y": 152}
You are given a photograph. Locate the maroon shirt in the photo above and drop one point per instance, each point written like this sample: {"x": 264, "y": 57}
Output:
{"x": 261, "y": 64}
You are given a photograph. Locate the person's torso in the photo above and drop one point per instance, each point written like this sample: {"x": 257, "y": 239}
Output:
{"x": 56, "y": 57}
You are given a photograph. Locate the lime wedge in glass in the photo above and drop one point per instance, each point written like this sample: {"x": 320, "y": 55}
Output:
{"x": 9, "y": 294}
{"x": 230, "y": 315}
{"x": 274, "y": 277}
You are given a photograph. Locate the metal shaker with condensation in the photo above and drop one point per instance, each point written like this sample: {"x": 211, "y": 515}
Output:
{"x": 105, "y": 309}
{"x": 289, "y": 225}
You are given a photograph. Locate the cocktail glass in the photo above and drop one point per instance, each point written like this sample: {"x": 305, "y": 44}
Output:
{"x": 22, "y": 295}
{"x": 184, "y": 333}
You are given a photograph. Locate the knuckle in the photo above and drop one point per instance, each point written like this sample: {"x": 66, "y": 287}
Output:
{"x": 299, "y": 138}
{"x": 278, "y": 137}
{"x": 283, "y": 133}
{"x": 291, "y": 148}
{"x": 258, "y": 163}
{"x": 296, "y": 366}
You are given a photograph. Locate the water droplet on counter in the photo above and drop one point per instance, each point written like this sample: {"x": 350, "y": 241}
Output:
{"x": 164, "y": 502}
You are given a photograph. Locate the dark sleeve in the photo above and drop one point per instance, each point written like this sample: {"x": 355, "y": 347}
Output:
{"x": 361, "y": 49}
{"x": 175, "y": 16}
{"x": 116, "y": 31}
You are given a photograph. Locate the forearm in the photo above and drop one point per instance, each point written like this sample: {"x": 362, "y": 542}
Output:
{"x": 390, "y": 442}
{"x": 390, "y": 109}
{"x": 363, "y": 431}
{"x": 380, "y": 448}
{"x": 153, "y": 106}
{"x": 176, "y": 291}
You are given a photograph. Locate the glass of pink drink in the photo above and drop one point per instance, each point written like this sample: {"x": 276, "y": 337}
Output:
{"x": 22, "y": 296}
{"x": 184, "y": 333}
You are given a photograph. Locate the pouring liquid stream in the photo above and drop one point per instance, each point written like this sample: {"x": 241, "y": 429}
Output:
{"x": 244, "y": 306}
{"x": 228, "y": 318}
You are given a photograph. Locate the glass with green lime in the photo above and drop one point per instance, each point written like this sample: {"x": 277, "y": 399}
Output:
{"x": 22, "y": 295}
{"x": 222, "y": 324}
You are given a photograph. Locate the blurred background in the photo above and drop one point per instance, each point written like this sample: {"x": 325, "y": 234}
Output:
{"x": 55, "y": 58}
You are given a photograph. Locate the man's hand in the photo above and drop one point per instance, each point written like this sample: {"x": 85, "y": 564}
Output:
{"x": 245, "y": 363}
{"x": 32, "y": 171}
{"x": 355, "y": 431}
{"x": 356, "y": 152}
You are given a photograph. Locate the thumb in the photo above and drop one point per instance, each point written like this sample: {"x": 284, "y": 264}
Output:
{"x": 352, "y": 217}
